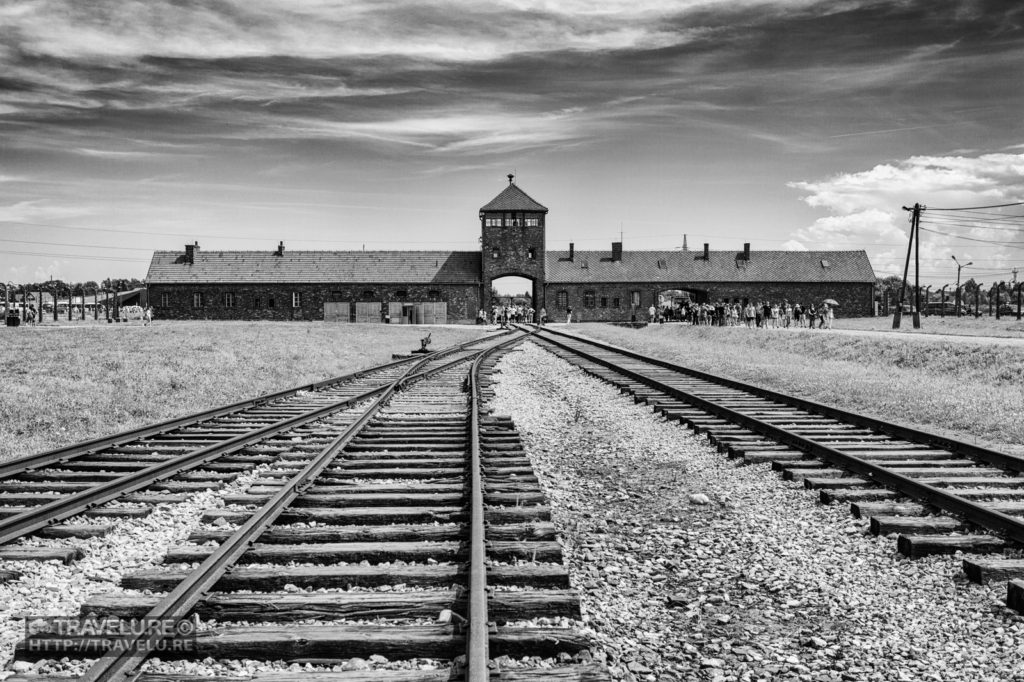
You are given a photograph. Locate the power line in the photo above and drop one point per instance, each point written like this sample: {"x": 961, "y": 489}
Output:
{"x": 84, "y": 246}
{"x": 1009, "y": 245}
{"x": 975, "y": 208}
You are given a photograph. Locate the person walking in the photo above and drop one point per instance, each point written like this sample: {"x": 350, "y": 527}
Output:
{"x": 568, "y": 314}
{"x": 829, "y": 315}
{"x": 147, "y": 316}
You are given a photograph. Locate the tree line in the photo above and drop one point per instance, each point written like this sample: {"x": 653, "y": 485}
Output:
{"x": 58, "y": 287}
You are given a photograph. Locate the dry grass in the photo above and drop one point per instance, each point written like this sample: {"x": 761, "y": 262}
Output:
{"x": 62, "y": 386}
{"x": 960, "y": 389}
{"x": 1006, "y": 327}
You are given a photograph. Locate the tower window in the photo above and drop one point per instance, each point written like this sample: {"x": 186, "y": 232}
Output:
{"x": 492, "y": 222}
{"x": 533, "y": 254}
{"x": 495, "y": 254}
{"x": 533, "y": 222}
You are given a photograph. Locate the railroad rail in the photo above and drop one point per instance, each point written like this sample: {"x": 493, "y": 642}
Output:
{"x": 939, "y": 494}
{"x": 418, "y": 531}
{"x": 183, "y": 455}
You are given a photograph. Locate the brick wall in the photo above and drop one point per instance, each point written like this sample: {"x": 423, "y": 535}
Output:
{"x": 463, "y": 299}
{"x": 513, "y": 246}
{"x": 855, "y": 299}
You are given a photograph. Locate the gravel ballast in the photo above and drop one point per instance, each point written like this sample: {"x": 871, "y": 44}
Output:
{"x": 694, "y": 568}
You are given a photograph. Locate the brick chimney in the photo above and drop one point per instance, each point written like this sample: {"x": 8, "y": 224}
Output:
{"x": 572, "y": 250}
{"x": 190, "y": 252}
{"x": 280, "y": 249}
{"x": 616, "y": 251}
{"x": 746, "y": 252}
{"x": 707, "y": 251}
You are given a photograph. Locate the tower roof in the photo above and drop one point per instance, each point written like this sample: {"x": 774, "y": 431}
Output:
{"x": 513, "y": 199}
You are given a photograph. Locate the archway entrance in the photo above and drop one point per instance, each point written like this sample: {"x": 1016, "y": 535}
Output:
{"x": 512, "y": 290}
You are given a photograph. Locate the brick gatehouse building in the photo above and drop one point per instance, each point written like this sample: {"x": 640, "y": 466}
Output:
{"x": 451, "y": 286}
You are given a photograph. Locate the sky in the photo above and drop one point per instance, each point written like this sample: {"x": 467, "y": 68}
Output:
{"x": 128, "y": 126}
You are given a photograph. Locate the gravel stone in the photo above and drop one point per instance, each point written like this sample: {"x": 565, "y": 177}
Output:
{"x": 805, "y": 598}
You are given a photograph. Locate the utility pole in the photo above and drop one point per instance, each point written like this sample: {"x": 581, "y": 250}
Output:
{"x": 914, "y": 221}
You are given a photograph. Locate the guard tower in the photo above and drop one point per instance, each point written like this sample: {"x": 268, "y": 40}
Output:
{"x": 512, "y": 228}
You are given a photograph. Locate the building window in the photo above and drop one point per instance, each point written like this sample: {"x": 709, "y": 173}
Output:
{"x": 533, "y": 222}
{"x": 495, "y": 253}
{"x": 634, "y": 298}
{"x": 296, "y": 299}
{"x": 257, "y": 302}
{"x": 533, "y": 254}
{"x": 434, "y": 294}
{"x": 368, "y": 294}
{"x": 197, "y": 299}
{"x": 588, "y": 299}
{"x": 492, "y": 222}
{"x": 270, "y": 301}
{"x": 401, "y": 293}
{"x": 165, "y": 300}
{"x": 229, "y": 300}
{"x": 662, "y": 264}
{"x": 604, "y": 301}
{"x": 615, "y": 302}
{"x": 562, "y": 298}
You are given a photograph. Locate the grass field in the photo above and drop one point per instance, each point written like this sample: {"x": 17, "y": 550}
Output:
{"x": 64, "y": 385}
{"x": 1007, "y": 326}
{"x": 960, "y": 389}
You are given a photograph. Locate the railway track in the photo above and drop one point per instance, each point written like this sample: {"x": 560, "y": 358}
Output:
{"x": 163, "y": 463}
{"x": 410, "y": 526}
{"x": 938, "y": 494}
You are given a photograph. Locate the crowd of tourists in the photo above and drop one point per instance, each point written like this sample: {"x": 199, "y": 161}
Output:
{"x": 755, "y": 314}
{"x": 504, "y": 315}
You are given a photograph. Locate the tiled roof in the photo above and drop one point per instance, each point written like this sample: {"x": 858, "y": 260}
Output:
{"x": 387, "y": 267}
{"x": 723, "y": 266}
{"x": 513, "y": 199}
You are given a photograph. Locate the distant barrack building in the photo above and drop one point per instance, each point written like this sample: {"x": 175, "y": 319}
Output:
{"x": 451, "y": 286}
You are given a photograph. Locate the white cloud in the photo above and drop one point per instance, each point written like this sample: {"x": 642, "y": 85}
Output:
{"x": 793, "y": 245}
{"x": 867, "y": 208}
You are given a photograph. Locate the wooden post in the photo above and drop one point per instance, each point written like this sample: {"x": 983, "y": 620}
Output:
{"x": 898, "y": 315}
{"x": 998, "y": 289}
{"x": 942, "y": 311}
{"x": 1021, "y": 284}
{"x": 95, "y": 305}
{"x": 977, "y": 300}
{"x": 994, "y": 286}
{"x": 917, "y": 265}
{"x": 71, "y": 299}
